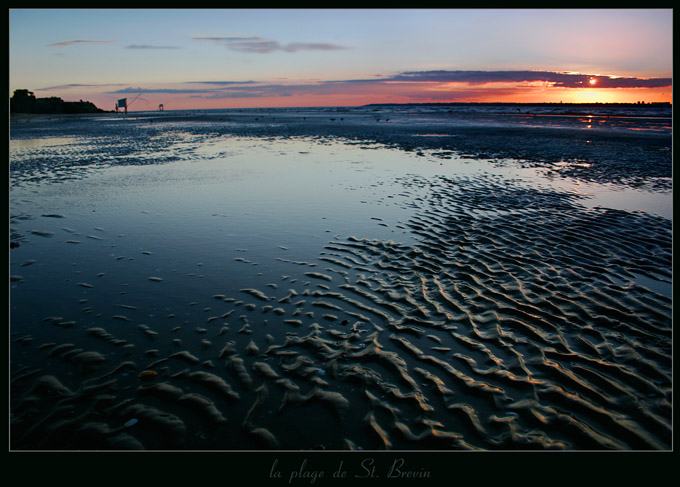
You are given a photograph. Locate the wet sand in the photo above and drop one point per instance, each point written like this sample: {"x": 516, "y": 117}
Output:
{"x": 194, "y": 283}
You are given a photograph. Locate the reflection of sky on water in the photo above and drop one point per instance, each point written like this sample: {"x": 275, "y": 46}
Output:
{"x": 610, "y": 195}
{"x": 287, "y": 188}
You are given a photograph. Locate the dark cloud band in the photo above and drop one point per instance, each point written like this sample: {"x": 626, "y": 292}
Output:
{"x": 565, "y": 80}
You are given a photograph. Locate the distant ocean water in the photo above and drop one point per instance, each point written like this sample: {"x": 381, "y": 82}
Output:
{"x": 600, "y": 109}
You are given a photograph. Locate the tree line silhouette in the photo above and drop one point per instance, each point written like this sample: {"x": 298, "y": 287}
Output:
{"x": 24, "y": 101}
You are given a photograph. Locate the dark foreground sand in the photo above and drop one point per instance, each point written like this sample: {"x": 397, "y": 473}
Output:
{"x": 512, "y": 318}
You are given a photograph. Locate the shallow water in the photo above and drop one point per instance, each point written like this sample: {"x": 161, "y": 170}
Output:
{"x": 182, "y": 288}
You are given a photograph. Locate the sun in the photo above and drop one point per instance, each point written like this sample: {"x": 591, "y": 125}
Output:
{"x": 592, "y": 81}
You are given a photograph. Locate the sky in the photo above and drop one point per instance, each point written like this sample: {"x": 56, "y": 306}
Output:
{"x": 238, "y": 58}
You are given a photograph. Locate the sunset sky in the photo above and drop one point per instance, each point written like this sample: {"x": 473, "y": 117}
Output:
{"x": 205, "y": 58}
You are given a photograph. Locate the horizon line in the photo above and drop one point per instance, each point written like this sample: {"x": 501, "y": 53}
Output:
{"x": 453, "y": 103}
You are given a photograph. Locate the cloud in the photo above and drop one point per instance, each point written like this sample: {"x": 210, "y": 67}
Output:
{"x": 180, "y": 91}
{"x": 615, "y": 82}
{"x": 222, "y": 83}
{"x": 420, "y": 84}
{"x": 441, "y": 85}
{"x": 76, "y": 85}
{"x": 311, "y": 46}
{"x": 239, "y": 89}
{"x": 147, "y": 46}
{"x": 221, "y": 40}
{"x": 255, "y": 45}
{"x": 78, "y": 41}
{"x": 559, "y": 79}
{"x": 220, "y": 86}
{"x": 263, "y": 46}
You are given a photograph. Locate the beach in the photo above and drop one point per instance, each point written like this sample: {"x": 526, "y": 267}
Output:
{"x": 351, "y": 278}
